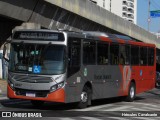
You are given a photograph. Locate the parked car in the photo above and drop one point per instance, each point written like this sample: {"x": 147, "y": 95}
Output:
{"x": 157, "y": 79}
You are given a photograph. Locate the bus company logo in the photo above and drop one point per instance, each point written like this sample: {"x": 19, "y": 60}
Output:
{"x": 126, "y": 76}
{"x": 6, "y": 114}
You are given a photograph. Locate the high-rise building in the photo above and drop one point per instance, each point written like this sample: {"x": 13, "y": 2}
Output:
{"x": 126, "y": 9}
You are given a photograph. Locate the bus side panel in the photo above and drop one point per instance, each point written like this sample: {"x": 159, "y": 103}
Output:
{"x": 74, "y": 86}
{"x": 127, "y": 74}
{"x": 142, "y": 75}
{"x": 137, "y": 76}
{"x": 105, "y": 80}
{"x": 109, "y": 80}
{"x": 130, "y": 73}
{"x": 149, "y": 78}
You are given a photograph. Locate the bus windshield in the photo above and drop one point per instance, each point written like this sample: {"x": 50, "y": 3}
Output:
{"x": 37, "y": 59}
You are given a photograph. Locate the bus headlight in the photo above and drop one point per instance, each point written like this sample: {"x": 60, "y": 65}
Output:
{"x": 60, "y": 85}
{"x": 57, "y": 86}
{"x": 53, "y": 88}
{"x": 11, "y": 84}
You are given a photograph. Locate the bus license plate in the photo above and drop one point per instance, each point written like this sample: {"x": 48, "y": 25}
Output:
{"x": 30, "y": 94}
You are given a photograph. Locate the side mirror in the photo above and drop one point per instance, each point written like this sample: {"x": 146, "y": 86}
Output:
{"x": 4, "y": 53}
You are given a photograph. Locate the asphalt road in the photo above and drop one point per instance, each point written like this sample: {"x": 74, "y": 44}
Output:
{"x": 147, "y": 103}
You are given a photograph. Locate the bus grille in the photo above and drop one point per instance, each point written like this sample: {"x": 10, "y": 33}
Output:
{"x": 32, "y": 79}
{"x": 38, "y": 93}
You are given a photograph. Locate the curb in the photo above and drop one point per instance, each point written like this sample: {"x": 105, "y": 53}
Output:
{"x": 3, "y": 98}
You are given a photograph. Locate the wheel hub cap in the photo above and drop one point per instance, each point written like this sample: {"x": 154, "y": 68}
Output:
{"x": 84, "y": 97}
{"x": 132, "y": 92}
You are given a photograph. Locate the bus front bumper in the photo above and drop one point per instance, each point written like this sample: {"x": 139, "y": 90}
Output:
{"x": 56, "y": 96}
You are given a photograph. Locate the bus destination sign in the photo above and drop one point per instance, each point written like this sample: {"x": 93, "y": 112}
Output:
{"x": 38, "y": 35}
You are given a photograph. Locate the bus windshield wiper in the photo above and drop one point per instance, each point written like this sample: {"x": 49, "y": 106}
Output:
{"x": 46, "y": 48}
{"x": 42, "y": 54}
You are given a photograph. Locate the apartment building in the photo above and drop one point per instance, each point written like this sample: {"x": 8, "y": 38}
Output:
{"x": 126, "y": 9}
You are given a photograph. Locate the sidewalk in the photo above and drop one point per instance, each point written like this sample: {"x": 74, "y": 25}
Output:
{"x": 3, "y": 89}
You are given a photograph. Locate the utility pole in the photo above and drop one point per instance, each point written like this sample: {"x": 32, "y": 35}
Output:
{"x": 110, "y": 5}
{"x": 149, "y": 19}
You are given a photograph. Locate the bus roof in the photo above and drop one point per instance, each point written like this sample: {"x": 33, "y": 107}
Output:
{"x": 95, "y": 35}
{"x": 116, "y": 38}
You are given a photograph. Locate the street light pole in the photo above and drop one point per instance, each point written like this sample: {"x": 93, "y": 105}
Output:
{"x": 110, "y": 5}
{"x": 149, "y": 19}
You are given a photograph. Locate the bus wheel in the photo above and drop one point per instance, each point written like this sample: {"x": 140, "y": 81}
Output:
{"x": 85, "y": 98}
{"x": 131, "y": 93}
{"x": 37, "y": 103}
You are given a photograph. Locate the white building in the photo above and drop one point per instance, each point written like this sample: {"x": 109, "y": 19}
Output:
{"x": 157, "y": 34}
{"x": 126, "y": 9}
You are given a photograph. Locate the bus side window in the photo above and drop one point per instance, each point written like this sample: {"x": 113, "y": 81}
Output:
{"x": 143, "y": 56}
{"x": 74, "y": 53}
{"x": 114, "y": 54}
{"x": 124, "y": 54}
{"x": 102, "y": 53}
{"x": 134, "y": 55}
{"x": 151, "y": 56}
{"x": 128, "y": 54}
{"x": 89, "y": 53}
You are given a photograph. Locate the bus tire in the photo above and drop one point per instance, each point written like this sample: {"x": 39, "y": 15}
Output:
{"x": 85, "y": 98}
{"x": 131, "y": 93}
{"x": 37, "y": 103}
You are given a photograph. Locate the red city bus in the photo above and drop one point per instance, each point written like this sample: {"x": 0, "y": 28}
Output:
{"x": 60, "y": 66}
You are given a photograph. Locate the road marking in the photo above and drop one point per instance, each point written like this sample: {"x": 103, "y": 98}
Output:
{"x": 90, "y": 118}
{"x": 138, "y": 109}
{"x": 146, "y": 104}
{"x": 118, "y": 118}
{"x": 66, "y": 118}
{"x": 119, "y": 108}
{"x": 151, "y": 108}
{"x": 95, "y": 108}
{"x": 3, "y": 98}
{"x": 144, "y": 118}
